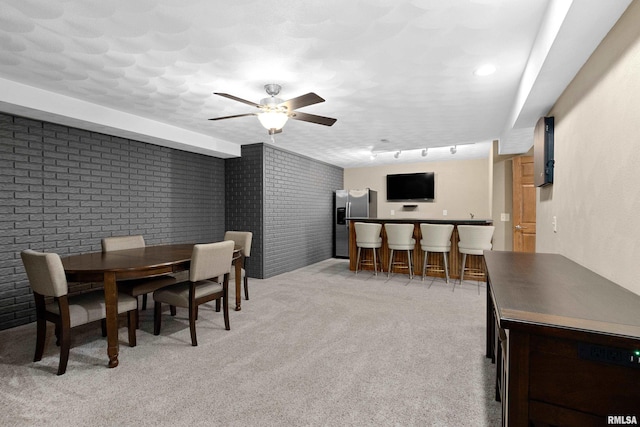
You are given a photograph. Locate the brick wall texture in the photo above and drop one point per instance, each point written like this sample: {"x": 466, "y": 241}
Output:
{"x": 244, "y": 202}
{"x": 63, "y": 189}
{"x": 298, "y": 210}
{"x": 287, "y": 201}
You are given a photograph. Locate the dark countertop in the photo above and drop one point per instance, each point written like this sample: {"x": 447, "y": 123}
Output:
{"x": 467, "y": 221}
{"x": 550, "y": 289}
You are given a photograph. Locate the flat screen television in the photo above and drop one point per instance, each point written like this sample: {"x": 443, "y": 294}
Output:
{"x": 411, "y": 187}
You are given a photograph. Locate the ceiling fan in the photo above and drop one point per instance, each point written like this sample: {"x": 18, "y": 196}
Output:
{"x": 274, "y": 112}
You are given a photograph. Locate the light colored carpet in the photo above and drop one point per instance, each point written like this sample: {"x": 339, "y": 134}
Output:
{"x": 318, "y": 346}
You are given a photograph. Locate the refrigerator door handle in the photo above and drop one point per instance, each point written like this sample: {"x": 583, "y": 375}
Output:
{"x": 348, "y": 213}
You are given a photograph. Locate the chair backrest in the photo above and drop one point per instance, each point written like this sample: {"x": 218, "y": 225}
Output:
{"x": 45, "y": 273}
{"x": 436, "y": 234}
{"x": 399, "y": 234}
{"x": 476, "y": 236}
{"x": 121, "y": 243}
{"x": 367, "y": 232}
{"x": 210, "y": 260}
{"x": 241, "y": 238}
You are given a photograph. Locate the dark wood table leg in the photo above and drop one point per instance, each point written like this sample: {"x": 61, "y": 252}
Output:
{"x": 111, "y": 302}
{"x": 238, "y": 265}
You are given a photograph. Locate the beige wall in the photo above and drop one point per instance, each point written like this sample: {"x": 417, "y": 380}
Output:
{"x": 462, "y": 187}
{"x": 596, "y": 191}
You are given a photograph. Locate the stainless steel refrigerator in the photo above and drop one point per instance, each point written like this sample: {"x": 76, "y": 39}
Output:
{"x": 351, "y": 204}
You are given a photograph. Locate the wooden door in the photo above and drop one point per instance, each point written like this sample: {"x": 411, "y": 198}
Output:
{"x": 524, "y": 205}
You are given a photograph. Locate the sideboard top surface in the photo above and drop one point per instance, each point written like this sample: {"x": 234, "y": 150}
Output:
{"x": 550, "y": 289}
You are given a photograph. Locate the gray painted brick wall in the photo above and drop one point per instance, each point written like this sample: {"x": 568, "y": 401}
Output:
{"x": 62, "y": 189}
{"x": 244, "y": 201}
{"x": 287, "y": 201}
{"x": 298, "y": 210}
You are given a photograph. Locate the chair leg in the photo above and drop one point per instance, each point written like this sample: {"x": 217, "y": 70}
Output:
{"x": 132, "y": 325}
{"x": 172, "y": 310}
{"x": 225, "y": 311}
{"x": 218, "y": 305}
{"x": 390, "y": 263}
{"x": 446, "y": 265}
{"x": 464, "y": 260}
{"x": 246, "y": 287}
{"x": 358, "y": 260}
{"x": 157, "y": 318}
{"x": 375, "y": 262}
{"x": 40, "y": 338}
{"x": 409, "y": 262}
{"x": 424, "y": 265}
{"x": 65, "y": 343}
{"x": 144, "y": 301}
{"x": 193, "y": 315}
{"x": 103, "y": 326}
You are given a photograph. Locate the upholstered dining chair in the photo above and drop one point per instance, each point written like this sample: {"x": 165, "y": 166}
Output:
{"x": 47, "y": 280}
{"x": 241, "y": 238}
{"x": 136, "y": 287}
{"x": 208, "y": 261}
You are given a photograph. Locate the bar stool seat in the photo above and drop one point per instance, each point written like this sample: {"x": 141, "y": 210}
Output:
{"x": 400, "y": 238}
{"x": 368, "y": 237}
{"x": 436, "y": 238}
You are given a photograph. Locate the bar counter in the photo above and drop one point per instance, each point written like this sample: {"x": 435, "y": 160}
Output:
{"x": 455, "y": 259}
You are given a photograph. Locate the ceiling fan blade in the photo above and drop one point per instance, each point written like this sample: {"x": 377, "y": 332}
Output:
{"x": 301, "y": 101}
{"x": 235, "y": 98}
{"x": 232, "y": 117}
{"x": 305, "y": 117}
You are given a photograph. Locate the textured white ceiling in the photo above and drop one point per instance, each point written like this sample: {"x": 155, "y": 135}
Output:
{"x": 397, "y": 74}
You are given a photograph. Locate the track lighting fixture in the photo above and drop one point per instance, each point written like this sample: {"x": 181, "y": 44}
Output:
{"x": 397, "y": 154}
{"x": 454, "y": 149}
{"x": 424, "y": 152}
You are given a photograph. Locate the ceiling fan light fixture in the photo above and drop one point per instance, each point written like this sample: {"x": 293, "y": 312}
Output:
{"x": 485, "y": 70}
{"x": 273, "y": 119}
{"x": 274, "y": 112}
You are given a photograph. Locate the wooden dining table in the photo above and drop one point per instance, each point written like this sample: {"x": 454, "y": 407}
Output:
{"x": 148, "y": 261}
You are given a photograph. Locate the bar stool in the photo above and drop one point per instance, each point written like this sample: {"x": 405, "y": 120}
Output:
{"x": 474, "y": 239}
{"x": 368, "y": 237}
{"x": 436, "y": 238}
{"x": 400, "y": 237}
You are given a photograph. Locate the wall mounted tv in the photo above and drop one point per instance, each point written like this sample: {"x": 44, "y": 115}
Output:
{"x": 415, "y": 187}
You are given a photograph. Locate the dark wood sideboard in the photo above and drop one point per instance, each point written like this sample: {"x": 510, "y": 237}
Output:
{"x": 566, "y": 342}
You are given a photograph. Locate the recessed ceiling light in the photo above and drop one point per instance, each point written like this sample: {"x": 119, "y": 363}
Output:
{"x": 485, "y": 70}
